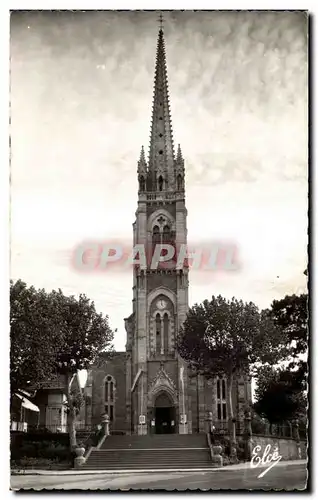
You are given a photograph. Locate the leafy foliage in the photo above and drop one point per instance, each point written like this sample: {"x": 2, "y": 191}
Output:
{"x": 85, "y": 332}
{"x": 221, "y": 337}
{"x": 279, "y": 395}
{"x": 228, "y": 338}
{"x": 34, "y": 335}
{"x": 291, "y": 315}
{"x": 280, "y": 392}
{"x": 54, "y": 334}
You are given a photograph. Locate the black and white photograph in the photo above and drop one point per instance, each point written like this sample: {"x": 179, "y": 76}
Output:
{"x": 159, "y": 205}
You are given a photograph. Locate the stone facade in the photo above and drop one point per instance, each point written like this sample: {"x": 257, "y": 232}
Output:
{"x": 152, "y": 390}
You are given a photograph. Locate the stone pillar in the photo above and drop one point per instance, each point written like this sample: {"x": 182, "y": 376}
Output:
{"x": 297, "y": 438}
{"x": 183, "y": 400}
{"x": 142, "y": 427}
{"x": 105, "y": 422}
{"x": 183, "y": 424}
{"x": 182, "y": 309}
{"x": 209, "y": 423}
{"x": 142, "y": 403}
{"x": 129, "y": 423}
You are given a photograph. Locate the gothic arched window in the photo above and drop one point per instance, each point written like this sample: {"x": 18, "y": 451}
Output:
{"x": 110, "y": 397}
{"x": 142, "y": 183}
{"x": 221, "y": 397}
{"x": 160, "y": 183}
{"x": 166, "y": 332}
{"x": 158, "y": 334}
{"x": 179, "y": 182}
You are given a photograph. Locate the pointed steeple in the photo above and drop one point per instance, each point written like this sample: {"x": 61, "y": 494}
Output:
{"x": 142, "y": 171}
{"x": 179, "y": 159}
{"x": 142, "y": 164}
{"x": 161, "y": 153}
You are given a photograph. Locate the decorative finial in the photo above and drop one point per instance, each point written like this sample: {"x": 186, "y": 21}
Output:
{"x": 142, "y": 155}
{"x": 161, "y": 21}
{"x": 142, "y": 159}
{"x": 179, "y": 155}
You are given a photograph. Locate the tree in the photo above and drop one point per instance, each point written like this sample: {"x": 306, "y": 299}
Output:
{"x": 54, "y": 334}
{"x": 34, "y": 337}
{"x": 221, "y": 337}
{"x": 85, "y": 334}
{"x": 279, "y": 395}
{"x": 290, "y": 315}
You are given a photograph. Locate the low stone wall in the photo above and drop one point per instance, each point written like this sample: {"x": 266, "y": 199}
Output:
{"x": 288, "y": 448}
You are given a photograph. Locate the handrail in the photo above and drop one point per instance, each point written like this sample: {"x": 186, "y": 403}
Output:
{"x": 97, "y": 447}
{"x": 209, "y": 444}
{"x": 101, "y": 442}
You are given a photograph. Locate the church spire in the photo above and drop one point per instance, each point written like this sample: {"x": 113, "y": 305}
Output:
{"x": 142, "y": 160}
{"x": 161, "y": 152}
{"x": 179, "y": 159}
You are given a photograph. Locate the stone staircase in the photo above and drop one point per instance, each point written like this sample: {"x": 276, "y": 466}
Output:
{"x": 152, "y": 452}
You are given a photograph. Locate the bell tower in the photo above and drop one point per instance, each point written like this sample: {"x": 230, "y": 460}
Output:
{"x": 158, "y": 394}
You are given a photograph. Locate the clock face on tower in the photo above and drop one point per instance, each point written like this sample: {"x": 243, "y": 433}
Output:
{"x": 161, "y": 304}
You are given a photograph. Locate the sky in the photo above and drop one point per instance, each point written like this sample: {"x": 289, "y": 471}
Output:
{"x": 81, "y": 98}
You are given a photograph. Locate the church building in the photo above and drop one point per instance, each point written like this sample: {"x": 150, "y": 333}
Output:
{"x": 148, "y": 388}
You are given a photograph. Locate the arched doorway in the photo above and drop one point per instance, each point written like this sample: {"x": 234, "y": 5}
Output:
{"x": 165, "y": 414}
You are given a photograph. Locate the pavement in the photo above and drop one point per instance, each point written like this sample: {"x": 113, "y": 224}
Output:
{"x": 287, "y": 475}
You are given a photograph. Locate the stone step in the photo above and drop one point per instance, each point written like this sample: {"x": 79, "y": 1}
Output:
{"x": 156, "y": 441}
{"x": 126, "y": 466}
{"x": 158, "y": 451}
{"x": 171, "y": 458}
{"x": 157, "y": 454}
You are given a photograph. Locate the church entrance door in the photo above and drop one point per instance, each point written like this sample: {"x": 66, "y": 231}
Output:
{"x": 165, "y": 422}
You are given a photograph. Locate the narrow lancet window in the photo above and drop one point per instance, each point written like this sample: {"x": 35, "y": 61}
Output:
{"x": 166, "y": 333}
{"x": 158, "y": 334}
{"x": 166, "y": 234}
{"x": 142, "y": 183}
{"x": 156, "y": 235}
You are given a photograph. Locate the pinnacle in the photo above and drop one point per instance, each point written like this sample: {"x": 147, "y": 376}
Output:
{"x": 179, "y": 155}
{"x": 142, "y": 159}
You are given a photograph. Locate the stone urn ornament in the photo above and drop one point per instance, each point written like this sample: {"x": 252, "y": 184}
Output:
{"x": 80, "y": 459}
{"x": 80, "y": 450}
{"x": 217, "y": 457}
